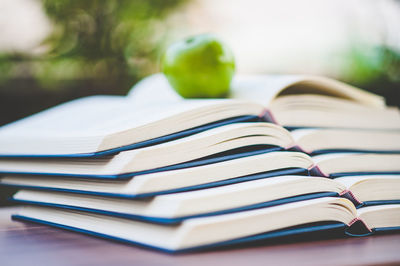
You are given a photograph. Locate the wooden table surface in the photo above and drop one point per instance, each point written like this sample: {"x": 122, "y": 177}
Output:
{"x": 32, "y": 244}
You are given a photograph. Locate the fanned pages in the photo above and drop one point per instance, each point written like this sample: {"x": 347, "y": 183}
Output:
{"x": 372, "y": 189}
{"x": 126, "y": 165}
{"x": 111, "y": 122}
{"x": 219, "y": 229}
{"x": 203, "y": 231}
{"x": 289, "y": 156}
{"x": 185, "y": 204}
{"x": 341, "y": 164}
{"x": 362, "y": 190}
{"x": 248, "y": 136}
{"x": 262, "y": 88}
{"x": 326, "y": 140}
{"x": 267, "y": 88}
{"x": 247, "y": 168}
{"x": 311, "y": 101}
{"x": 297, "y": 100}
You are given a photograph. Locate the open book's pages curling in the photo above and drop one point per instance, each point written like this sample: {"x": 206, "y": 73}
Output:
{"x": 325, "y": 140}
{"x": 155, "y": 170}
{"x": 224, "y": 229}
{"x": 343, "y": 164}
{"x": 218, "y": 144}
{"x": 126, "y": 165}
{"x": 103, "y": 125}
{"x": 297, "y": 101}
{"x": 228, "y": 142}
{"x": 175, "y": 207}
{"x": 230, "y": 171}
{"x": 309, "y": 101}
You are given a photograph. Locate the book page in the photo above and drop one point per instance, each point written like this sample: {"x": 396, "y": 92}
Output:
{"x": 265, "y": 88}
{"x": 349, "y": 181}
{"x": 260, "y": 88}
{"x": 151, "y": 90}
{"x": 96, "y": 115}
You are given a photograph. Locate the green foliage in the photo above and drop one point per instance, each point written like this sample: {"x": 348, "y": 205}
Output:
{"x": 97, "y": 40}
{"x": 376, "y": 69}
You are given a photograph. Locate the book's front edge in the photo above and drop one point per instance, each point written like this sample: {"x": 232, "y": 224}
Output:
{"x": 328, "y": 151}
{"x": 287, "y": 171}
{"x": 86, "y": 232}
{"x": 177, "y": 220}
{"x": 323, "y": 229}
{"x": 385, "y": 230}
{"x": 146, "y": 143}
{"x": 344, "y": 174}
{"x": 327, "y": 228}
{"x": 377, "y": 202}
{"x": 241, "y": 152}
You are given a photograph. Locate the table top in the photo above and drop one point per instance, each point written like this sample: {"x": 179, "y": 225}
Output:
{"x": 33, "y": 244}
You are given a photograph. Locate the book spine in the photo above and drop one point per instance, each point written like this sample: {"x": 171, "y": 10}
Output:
{"x": 266, "y": 116}
{"x": 297, "y": 148}
{"x": 350, "y": 196}
{"x": 358, "y": 227}
{"x": 314, "y": 170}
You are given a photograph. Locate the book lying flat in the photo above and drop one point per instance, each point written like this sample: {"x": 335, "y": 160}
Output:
{"x": 343, "y": 164}
{"x": 129, "y": 164}
{"x": 312, "y": 101}
{"x": 222, "y": 173}
{"x": 152, "y": 114}
{"x": 101, "y": 125}
{"x": 296, "y": 101}
{"x": 215, "y": 145}
{"x": 369, "y": 190}
{"x": 225, "y": 142}
{"x": 178, "y": 175}
{"x": 176, "y": 207}
{"x": 316, "y": 141}
{"x": 203, "y": 232}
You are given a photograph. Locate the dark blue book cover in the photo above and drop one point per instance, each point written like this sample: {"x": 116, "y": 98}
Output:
{"x": 177, "y": 220}
{"x": 300, "y": 232}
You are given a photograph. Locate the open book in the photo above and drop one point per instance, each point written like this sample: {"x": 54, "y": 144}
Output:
{"x": 103, "y": 125}
{"x": 177, "y": 175}
{"x": 296, "y": 101}
{"x": 208, "y": 175}
{"x": 152, "y": 114}
{"x": 176, "y": 207}
{"x": 229, "y": 142}
{"x": 195, "y": 233}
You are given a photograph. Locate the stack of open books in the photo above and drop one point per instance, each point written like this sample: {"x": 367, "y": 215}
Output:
{"x": 289, "y": 155}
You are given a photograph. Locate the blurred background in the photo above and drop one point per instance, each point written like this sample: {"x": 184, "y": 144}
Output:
{"x": 52, "y": 51}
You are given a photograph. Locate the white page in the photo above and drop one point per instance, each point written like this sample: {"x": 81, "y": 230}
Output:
{"x": 348, "y": 181}
{"x": 152, "y": 90}
{"x": 97, "y": 115}
{"x": 260, "y": 88}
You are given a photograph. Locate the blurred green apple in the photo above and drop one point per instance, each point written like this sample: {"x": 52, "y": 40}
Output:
{"x": 199, "y": 67}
